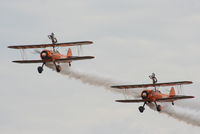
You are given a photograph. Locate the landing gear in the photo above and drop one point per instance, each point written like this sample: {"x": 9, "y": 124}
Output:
{"x": 158, "y": 107}
{"x": 141, "y": 108}
{"x": 172, "y": 103}
{"x": 58, "y": 68}
{"x": 40, "y": 68}
{"x": 69, "y": 64}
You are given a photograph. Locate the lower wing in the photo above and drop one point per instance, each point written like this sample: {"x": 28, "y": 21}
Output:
{"x": 174, "y": 98}
{"x": 74, "y": 58}
{"x": 57, "y": 60}
{"x": 28, "y": 61}
{"x": 130, "y": 101}
{"x": 167, "y": 99}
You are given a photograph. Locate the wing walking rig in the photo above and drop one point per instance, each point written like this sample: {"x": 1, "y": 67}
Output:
{"x": 154, "y": 95}
{"x": 53, "y": 56}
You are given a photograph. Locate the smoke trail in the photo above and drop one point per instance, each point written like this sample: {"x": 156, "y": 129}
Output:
{"x": 194, "y": 105}
{"x": 180, "y": 113}
{"x": 94, "y": 80}
{"x": 183, "y": 114}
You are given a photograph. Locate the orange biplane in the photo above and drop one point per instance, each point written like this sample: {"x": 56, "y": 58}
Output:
{"x": 154, "y": 95}
{"x": 53, "y": 55}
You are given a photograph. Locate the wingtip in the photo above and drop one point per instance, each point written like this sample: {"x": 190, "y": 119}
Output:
{"x": 92, "y": 57}
{"x": 91, "y": 42}
{"x": 114, "y": 87}
{"x": 189, "y": 82}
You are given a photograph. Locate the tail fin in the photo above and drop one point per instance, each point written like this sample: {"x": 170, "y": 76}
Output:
{"x": 172, "y": 92}
{"x": 69, "y": 52}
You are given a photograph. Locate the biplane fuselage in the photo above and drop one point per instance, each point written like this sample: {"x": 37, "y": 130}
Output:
{"x": 151, "y": 95}
{"x": 49, "y": 55}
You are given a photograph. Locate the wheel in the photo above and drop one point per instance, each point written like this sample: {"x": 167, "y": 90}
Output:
{"x": 58, "y": 68}
{"x": 159, "y": 108}
{"x": 141, "y": 109}
{"x": 70, "y": 64}
{"x": 40, "y": 69}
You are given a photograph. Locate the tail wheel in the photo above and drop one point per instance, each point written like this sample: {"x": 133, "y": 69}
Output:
{"x": 40, "y": 69}
{"x": 159, "y": 108}
{"x": 58, "y": 68}
{"x": 141, "y": 109}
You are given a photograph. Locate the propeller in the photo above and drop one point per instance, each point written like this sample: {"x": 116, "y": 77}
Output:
{"x": 36, "y": 51}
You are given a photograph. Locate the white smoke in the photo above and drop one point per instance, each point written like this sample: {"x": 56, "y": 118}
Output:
{"x": 194, "y": 104}
{"x": 183, "y": 112}
{"x": 95, "y": 80}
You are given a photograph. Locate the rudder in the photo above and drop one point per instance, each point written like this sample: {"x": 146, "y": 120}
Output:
{"x": 172, "y": 92}
{"x": 69, "y": 52}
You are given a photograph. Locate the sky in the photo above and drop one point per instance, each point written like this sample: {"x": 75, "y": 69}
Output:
{"x": 131, "y": 39}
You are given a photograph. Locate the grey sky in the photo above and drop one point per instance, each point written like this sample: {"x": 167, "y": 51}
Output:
{"x": 131, "y": 38}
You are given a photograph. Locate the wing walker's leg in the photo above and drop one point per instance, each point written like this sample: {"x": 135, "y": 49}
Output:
{"x": 141, "y": 108}
{"x": 58, "y": 67}
{"x": 158, "y": 107}
{"x": 40, "y": 68}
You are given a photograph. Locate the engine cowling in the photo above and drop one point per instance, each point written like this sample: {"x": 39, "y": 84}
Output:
{"x": 44, "y": 55}
{"x": 144, "y": 95}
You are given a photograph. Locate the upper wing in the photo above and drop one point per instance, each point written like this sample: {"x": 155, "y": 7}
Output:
{"x": 130, "y": 101}
{"x": 153, "y": 85}
{"x": 74, "y": 58}
{"x": 28, "y": 61}
{"x": 52, "y": 45}
{"x": 174, "y": 98}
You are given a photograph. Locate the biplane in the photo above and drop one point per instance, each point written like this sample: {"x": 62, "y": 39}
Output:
{"x": 154, "y": 95}
{"x": 53, "y": 56}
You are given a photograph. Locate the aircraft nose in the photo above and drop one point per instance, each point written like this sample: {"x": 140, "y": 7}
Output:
{"x": 144, "y": 94}
{"x": 44, "y": 55}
